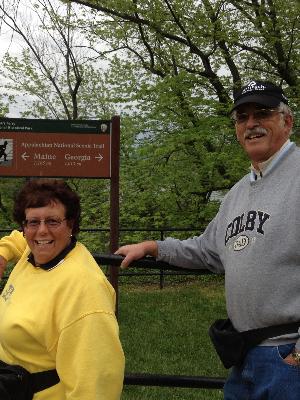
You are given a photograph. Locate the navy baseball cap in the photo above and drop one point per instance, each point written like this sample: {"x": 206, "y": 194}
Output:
{"x": 261, "y": 92}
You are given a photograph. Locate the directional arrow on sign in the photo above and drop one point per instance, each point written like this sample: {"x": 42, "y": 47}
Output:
{"x": 24, "y": 156}
{"x": 99, "y": 158}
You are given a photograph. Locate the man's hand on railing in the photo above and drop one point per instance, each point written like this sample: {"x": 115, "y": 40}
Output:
{"x": 3, "y": 263}
{"x": 116, "y": 260}
{"x": 134, "y": 252}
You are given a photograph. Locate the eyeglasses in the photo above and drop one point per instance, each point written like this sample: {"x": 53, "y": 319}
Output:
{"x": 51, "y": 223}
{"x": 262, "y": 114}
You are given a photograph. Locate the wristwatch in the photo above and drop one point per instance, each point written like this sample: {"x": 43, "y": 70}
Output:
{"x": 296, "y": 356}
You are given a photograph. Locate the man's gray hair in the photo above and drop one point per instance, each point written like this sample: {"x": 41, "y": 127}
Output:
{"x": 285, "y": 109}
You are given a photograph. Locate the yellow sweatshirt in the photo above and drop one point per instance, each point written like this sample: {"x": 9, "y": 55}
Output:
{"x": 62, "y": 318}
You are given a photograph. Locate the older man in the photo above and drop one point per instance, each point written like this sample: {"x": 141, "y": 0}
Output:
{"x": 254, "y": 239}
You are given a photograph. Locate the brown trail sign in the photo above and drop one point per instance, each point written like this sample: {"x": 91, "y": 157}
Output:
{"x": 55, "y": 148}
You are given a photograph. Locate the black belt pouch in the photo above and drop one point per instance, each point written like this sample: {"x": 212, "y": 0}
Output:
{"x": 14, "y": 383}
{"x": 232, "y": 346}
{"x": 228, "y": 342}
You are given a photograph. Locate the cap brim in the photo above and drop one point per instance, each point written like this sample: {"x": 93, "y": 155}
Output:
{"x": 267, "y": 101}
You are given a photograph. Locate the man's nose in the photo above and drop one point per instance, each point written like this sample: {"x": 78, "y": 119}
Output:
{"x": 251, "y": 121}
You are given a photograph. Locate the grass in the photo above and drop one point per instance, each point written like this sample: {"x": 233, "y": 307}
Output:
{"x": 165, "y": 332}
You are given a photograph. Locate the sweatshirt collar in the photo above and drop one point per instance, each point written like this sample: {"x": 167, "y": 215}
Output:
{"x": 263, "y": 166}
{"x": 56, "y": 260}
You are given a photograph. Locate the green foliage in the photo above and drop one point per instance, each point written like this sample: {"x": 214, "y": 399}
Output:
{"x": 4, "y": 106}
{"x": 94, "y": 196}
{"x": 8, "y": 189}
{"x": 216, "y": 45}
{"x": 171, "y": 171}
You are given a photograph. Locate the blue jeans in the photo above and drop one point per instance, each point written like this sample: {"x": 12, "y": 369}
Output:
{"x": 264, "y": 376}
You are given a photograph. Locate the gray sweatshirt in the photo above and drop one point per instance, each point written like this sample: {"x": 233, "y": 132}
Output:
{"x": 255, "y": 240}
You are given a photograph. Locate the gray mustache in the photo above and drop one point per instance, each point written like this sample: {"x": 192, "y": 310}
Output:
{"x": 255, "y": 131}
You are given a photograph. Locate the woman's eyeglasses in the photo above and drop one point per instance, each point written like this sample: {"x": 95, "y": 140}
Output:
{"x": 262, "y": 114}
{"x": 51, "y": 223}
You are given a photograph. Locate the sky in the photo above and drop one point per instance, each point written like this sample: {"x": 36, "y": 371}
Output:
{"x": 29, "y": 20}
{"x": 14, "y": 45}
{"x": 7, "y": 44}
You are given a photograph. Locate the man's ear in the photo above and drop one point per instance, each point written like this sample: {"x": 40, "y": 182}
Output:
{"x": 289, "y": 121}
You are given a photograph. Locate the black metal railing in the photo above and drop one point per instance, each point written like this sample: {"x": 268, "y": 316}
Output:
{"x": 147, "y": 262}
{"x": 182, "y": 381}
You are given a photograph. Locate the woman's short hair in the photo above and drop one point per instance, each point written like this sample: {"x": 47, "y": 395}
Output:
{"x": 41, "y": 192}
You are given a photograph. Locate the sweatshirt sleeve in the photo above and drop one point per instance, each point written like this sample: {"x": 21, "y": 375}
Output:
{"x": 90, "y": 359}
{"x": 198, "y": 252}
{"x": 13, "y": 246}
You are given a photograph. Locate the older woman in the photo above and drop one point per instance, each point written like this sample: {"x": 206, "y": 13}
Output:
{"x": 57, "y": 308}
